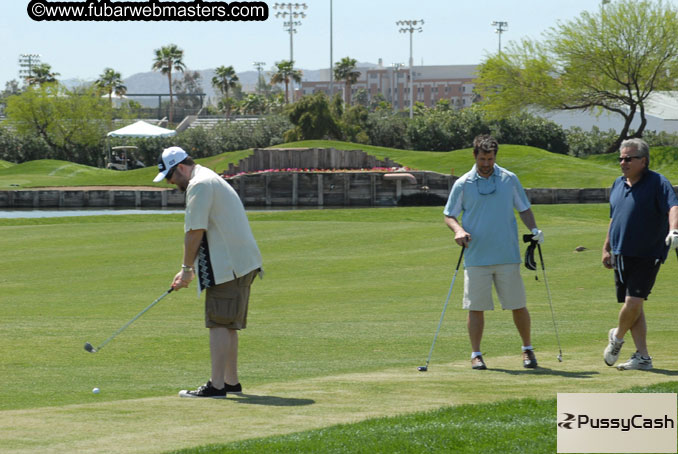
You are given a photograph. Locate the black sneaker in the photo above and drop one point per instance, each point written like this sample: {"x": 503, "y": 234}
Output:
{"x": 529, "y": 360}
{"x": 478, "y": 363}
{"x": 206, "y": 390}
{"x": 233, "y": 389}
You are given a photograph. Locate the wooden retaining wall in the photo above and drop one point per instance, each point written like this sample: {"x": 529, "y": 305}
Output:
{"x": 336, "y": 188}
{"x": 307, "y": 158}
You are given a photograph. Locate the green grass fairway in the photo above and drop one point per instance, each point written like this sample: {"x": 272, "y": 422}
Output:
{"x": 345, "y": 314}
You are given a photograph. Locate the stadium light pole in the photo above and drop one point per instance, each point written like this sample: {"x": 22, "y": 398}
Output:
{"x": 331, "y": 58}
{"x": 260, "y": 67}
{"x": 394, "y": 84}
{"x": 28, "y": 61}
{"x": 291, "y": 14}
{"x": 499, "y": 28}
{"x": 411, "y": 26}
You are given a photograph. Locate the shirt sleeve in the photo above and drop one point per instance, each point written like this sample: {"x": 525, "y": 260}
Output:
{"x": 198, "y": 204}
{"x": 453, "y": 207}
{"x": 668, "y": 196}
{"x": 520, "y": 200}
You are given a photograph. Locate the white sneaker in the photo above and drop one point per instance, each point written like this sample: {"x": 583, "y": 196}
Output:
{"x": 636, "y": 362}
{"x": 611, "y": 353}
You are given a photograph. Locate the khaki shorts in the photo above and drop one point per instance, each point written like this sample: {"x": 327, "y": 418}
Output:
{"x": 507, "y": 281}
{"x": 226, "y": 304}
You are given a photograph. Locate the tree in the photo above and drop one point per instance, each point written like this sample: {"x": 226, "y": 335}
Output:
{"x": 41, "y": 74}
{"x": 610, "y": 60}
{"x": 167, "y": 59}
{"x": 187, "y": 90}
{"x": 111, "y": 81}
{"x": 312, "y": 119}
{"x": 225, "y": 79}
{"x": 345, "y": 70}
{"x": 73, "y": 124}
{"x": 254, "y": 104}
{"x": 286, "y": 72}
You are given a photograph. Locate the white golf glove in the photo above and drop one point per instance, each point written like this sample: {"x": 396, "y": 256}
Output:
{"x": 537, "y": 235}
{"x": 672, "y": 239}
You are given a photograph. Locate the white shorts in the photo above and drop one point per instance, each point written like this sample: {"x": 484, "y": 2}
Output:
{"x": 507, "y": 281}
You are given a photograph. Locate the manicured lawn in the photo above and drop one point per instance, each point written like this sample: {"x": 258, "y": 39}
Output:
{"x": 346, "y": 312}
{"x": 536, "y": 168}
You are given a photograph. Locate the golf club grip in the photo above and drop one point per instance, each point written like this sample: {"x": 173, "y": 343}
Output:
{"x": 462, "y": 255}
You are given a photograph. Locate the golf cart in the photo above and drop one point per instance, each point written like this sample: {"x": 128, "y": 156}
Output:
{"x": 123, "y": 158}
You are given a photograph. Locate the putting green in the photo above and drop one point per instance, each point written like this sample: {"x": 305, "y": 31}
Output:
{"x": 345, "y": 314}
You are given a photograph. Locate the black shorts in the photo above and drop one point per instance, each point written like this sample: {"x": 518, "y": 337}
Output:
{"x": 635, "y": 276}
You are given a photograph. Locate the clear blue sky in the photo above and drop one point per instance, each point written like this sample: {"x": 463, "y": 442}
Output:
{"x": 455, "y": 32}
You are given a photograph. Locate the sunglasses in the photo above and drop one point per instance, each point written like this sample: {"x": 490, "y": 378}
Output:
{"x": 628, "y": 158}
{"x": 170, "y": 173}
{"x": 486, "y": 187}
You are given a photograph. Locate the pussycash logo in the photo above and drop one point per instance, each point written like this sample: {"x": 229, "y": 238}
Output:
{"x": 572, "y": 421}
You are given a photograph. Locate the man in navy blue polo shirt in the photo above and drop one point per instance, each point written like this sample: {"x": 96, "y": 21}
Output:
{"x": 643, "y": 228}
{"x": 487, "y": 196}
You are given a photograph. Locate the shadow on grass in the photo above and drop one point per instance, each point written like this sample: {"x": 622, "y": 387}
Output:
{"x": 272, "y": 401}
{"x": 547, "y": 371}
{"x": 671, "y": 373}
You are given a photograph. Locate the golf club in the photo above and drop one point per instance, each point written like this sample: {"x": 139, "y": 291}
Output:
{"x": 90, "y": 348}
{"x": 449, "y": 293}
{"x": 553, "y": 316}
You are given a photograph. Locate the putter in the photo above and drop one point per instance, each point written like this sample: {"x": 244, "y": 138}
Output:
{"x": 449, "y": 293}
{"x": 548, "y": 292}
{"x": 90, "y": 348}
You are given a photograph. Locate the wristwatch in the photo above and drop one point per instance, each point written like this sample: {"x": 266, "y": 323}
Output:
{"x": 187, "y": 268}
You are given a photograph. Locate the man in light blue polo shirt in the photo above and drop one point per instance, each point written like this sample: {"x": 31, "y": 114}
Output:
{"x": 486, "y": 196}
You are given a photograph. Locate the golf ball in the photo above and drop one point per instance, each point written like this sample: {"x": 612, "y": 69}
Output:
{"x": 96, "y": 390}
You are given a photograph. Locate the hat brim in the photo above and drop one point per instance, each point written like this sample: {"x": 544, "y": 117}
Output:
{"x": 160, "y": 176}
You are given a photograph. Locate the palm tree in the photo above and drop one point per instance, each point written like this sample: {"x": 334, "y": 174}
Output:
{"x": 167, "y": 59}
{"x": 286, "y": 72}
{"x": 345, "y": 70}
{"x": 225, "y": 79}
{"x": 41, "y": 74}
{"x": 111, "y": 81}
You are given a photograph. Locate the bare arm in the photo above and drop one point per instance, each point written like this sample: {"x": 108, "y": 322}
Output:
{"x": 673, "y": 218}
{"x": 527, "y": 217}
{"x": 461, "y": 236}
{"x": 192, "y": 241}
{"x": 607, "y": 254}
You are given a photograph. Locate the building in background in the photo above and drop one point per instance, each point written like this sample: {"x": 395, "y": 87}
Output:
{"x": 431, "y": 84}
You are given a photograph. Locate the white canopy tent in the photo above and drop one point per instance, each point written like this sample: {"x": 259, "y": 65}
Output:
{"x": 142, "y": 129}
{"x": 119, "y": 160}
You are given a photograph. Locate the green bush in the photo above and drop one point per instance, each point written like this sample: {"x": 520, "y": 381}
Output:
{"x": 534, "y": 131}
{"x": 584, "y": 143}
{"x": 387, "y": 129}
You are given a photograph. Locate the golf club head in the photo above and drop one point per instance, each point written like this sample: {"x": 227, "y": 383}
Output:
{"x": 90, "y": 348}
{"x": 422, "y": 368}
{"x": 560, "y": 358}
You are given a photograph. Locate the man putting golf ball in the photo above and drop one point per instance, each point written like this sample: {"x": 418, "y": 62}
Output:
{"x": 220, "y": 250}
{"x": 487, "y": 196}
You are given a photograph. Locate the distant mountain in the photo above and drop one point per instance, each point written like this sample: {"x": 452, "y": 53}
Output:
{"x": 152, "y": 82}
